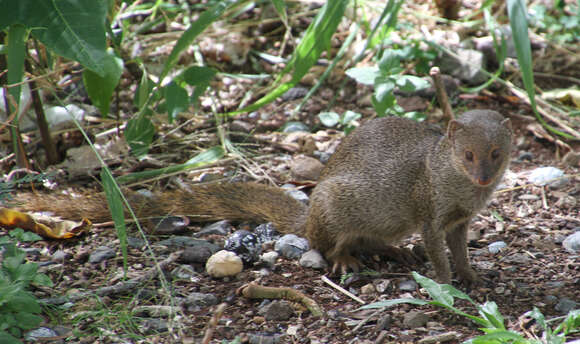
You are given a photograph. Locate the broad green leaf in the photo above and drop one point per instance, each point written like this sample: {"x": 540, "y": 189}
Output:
{"x": 15, "y": 56}
{"x": 364, "y": 75}
{"x": 139, "y": 135}
{"x": 329, "y": 119}
{"x": 390, "y": 63}
{"x": 199, "y": 77}
{"x": 571, "y": 323}
{"x": 27, "y": 321}
{"x": 186, "y": 39}
{"x": 116, "y": 207}
{"x": 42, "y": 279}
{"x": 383, "y": 97}
{"x": 501, "y": 336}
{"x": 74, "y": 29}
{"x": 101, "y": 88}
{"x": 410, "y": 83}
{"x": 24, "y": 302}
{"x": 176, "y": 100}
{"x": 490, "y": 312}
{"x": 349, "y": 116}
{"x": 7, "y": 338}
{"x": 204, "y": 158}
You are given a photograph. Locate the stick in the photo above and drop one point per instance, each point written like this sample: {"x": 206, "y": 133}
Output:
{"x": 213, "y": 322}
{"x": 342, "y": 290}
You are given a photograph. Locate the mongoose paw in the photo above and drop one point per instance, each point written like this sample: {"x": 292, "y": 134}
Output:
{"x": 403, "y": 255}
{"x": 469, "y": 277}
{"x": 344, "y": 264}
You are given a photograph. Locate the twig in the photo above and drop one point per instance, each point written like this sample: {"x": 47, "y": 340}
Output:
{"x": 120, "y": 287}
{"x": 366, "y": 320}
{"x": 213, "y": 322}
{"x": 255, "y": 291}
{"x": 441, "y": 94}
{"x": 544, "y": 202}
{"x": 342, "y": 290}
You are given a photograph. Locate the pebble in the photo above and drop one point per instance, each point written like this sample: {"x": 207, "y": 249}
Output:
{"x": 220, "y": 228}
{"x": 153, "y": 325}
{"x": 550, "y": 300}
{"x": 183, "y": 271}
{"x": 38, "y": 334}
{"x": 305, "y": 168}
{"x": 136, "y": 243}
{"x": 261, "y": 338}
{"x": 266, "y": 233}
{"x": 295, "y": 193}
{"x": 526, "y": 156}
{"x": 199, "y": 254}
{"x": 572, "y": 243}
{"x": 185, "y": 241}
{"x": 518, "y": 258}
{"x": 270, "y": 258}
{"x": 291, "y": 127}
{"x": 368, "y": 289}
{"x": 384, "y": 323}
{"x": 197, "y": 301}
{"x": 559, "y": 183}
{"x": 496, "y": 247}
{"x": 542, "y": 175}
{"x": 170, "y": 224}
{"x": 59, "y": 256}
{"x": 277, "y": 310}
{"x": 245, "y": 244}
{"x": 415, "y": 319}
{"x": 408, "y": 285}
{"x": 100, "y": 254}
{"x": 565, "y": 305}
{"x": 313, "y": 259}
{"x": 224, "y": 263}
{"x": 291, "y": 246}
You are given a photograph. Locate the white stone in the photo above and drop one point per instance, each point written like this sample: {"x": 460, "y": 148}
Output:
{"x": 224, "y": 263}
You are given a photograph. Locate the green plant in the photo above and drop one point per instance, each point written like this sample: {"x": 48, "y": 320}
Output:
{"x": 346, "y": 121}
{"x": 490, "y": 319}
{"x": 559, "y": 26}
{"x": 19, "y": 308}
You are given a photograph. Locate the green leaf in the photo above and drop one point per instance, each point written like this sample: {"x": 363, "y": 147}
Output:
{"x": 139, "y": 135}
{"x": 349, "y": 116}
{"x": 394, "y": 302}
{"x": 490, "y": 312}
{"x": 101, "y": 88}
{"x": 74, "y": 29}
{"x": 16, "y": 53}
{"x": 143, "y": 90}
{"x": 116, "y": 207}
{"x": 410, "y": 83}
{"x": 390, "y": 63}
{"x": 571, "y": 323}
{"x": 27, "y": 321}
{"x": 7, "y": 338}
{"x": 364, "y": 75}
{"x": 176, "y": 100}
{"x": 383, "y": 97}
{"x": 329, "y": 119}
{"x": 280, "y": 7}
{"x": 199, "y": 77}
{"x": 204, "y": 158}
{"x": 186, "y": 39}
{"x": 501, "y": 336}
{"x": 42, "y": 279}
{"x": 24, "y": 302}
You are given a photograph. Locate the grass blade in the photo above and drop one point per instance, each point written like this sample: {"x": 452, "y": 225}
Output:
{"x": 113, "y": 194}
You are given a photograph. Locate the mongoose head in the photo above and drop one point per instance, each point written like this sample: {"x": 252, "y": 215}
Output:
{"x": 481, "y": 145}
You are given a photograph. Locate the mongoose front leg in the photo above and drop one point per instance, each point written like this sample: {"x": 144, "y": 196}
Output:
{"x": 434, "y": 239}
{"x": 457, "y": 242}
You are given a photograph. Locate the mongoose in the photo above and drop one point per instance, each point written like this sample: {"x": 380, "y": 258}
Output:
{"x": 389, "y": 178}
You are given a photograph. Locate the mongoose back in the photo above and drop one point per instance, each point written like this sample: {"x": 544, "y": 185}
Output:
{"x": 389, "y": 178}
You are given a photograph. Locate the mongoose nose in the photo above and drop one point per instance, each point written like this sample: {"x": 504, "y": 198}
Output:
{"x": 483, "y": 181}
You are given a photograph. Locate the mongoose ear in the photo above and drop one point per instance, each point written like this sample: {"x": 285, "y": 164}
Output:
{"x": 507, "y": 123}
{"x": 452, "y": 128}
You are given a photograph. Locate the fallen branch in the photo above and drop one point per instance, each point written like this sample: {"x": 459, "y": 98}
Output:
{"x": 255, "y": 291}
{"x": 213, "y": 322}
{"x": 121, "y": 287}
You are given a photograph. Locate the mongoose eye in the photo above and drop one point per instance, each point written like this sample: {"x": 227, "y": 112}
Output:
{"x": 469, "y": 155}
{"x": 495, "y": 154}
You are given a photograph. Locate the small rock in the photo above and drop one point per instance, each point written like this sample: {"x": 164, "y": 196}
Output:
{"x": 305, "y": 168}
{"x": 245, "y": 244}
{"x": 291, "y": 246}
{"x": 184, "y": 272}
{"x": 220, "y": 228}
{"x": 415, "y": 319}
{"x": 167, "y": 225}
{"x": 496, "y": 247}
{"x": 408, "y": 285}
{"x": 295, "y": 93}
{"x": 100, "y": 254}
{"x": 313, "y": 259}
{"x": 295, "y": 193}
{"x": 550, "y": 300}
{"x": 559, "y": 183}
{"x": 262, "y": 338}
{"x": 543, "y": 175}
{"x": 466, "y": 66}
{"x": 184, "y": 241}
{"x": 572, "y": 243}
{"x": 59, "y": 256}
{"x": 198, "y": 301}
{"x": 266, "y": 233}
{"x": 518, "y": 258}
{"x": 38, "y": 334}
{"x": 241, "y": 126}
{"x": 155, "y": 311}
{"x": 450, "y": 336}
{"x": 153, "y": 325}
{"x": 199, "y": 254}
{"x": 224, "y": 263}
{"x": 136, "y": 243}
{"x": 368, "y": 289}
{"x": 278, "y": 310}
{"x": 526, "y": 156}
{"x": 383, "y": 323}
{"x": 565, "y": 305}
{"x": 571, "y": 158}
{"x": 567, "y": 202}
{"x": 291, "y": 127}
{"x": 270, "y": 258}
